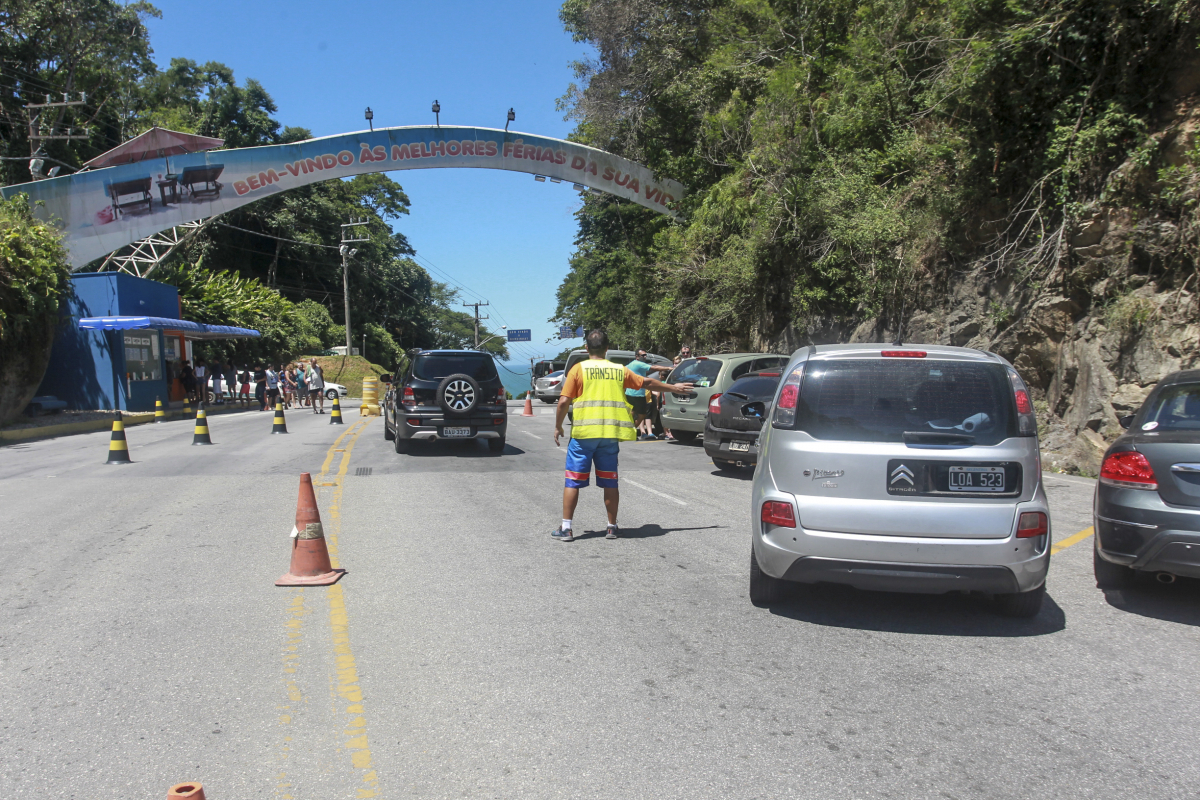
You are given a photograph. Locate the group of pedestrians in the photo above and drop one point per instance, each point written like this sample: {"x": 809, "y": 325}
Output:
{"x": 295, "y": 385}
{"x": 647, "y": 406}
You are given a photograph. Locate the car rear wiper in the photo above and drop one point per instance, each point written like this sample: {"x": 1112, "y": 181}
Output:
{"x": 937, "y": 437}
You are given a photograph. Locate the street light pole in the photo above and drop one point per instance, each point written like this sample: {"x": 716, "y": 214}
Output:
{"x": 348, "y": 253}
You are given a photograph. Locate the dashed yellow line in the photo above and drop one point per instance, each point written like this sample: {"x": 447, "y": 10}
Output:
{"x": 287, "y": 711}
{"x": 1073, "y": 539}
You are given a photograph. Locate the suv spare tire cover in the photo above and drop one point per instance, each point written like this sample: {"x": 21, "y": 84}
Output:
{"x": 458, "y": 394}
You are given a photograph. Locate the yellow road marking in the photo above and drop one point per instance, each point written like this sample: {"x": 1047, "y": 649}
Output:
{"x": 287, "y": 711}
{"x": 345, "y": 686}
{"x": 1070, "y": 540}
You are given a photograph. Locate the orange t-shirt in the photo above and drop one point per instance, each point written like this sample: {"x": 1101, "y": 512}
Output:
{"x": 573, "y": 386}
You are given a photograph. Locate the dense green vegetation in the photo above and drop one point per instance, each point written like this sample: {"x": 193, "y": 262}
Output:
{"x": 274, "y": 256}
{"x": 33, "y": 274}
{"x": 846, "y": 158}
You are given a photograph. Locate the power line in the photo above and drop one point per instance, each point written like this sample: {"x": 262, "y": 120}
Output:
{"x": 276, "y": 238}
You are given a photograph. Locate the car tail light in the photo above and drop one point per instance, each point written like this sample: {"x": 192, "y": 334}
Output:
{"x": 1032, "y": 524}
{"x": 1128, "y": 470}
{"x": 768, "y": 374}
{"x": 502, "y": 396}
{"x": 777, "y": 513}
{"x": 789, "y": 395}
{"x": 409, "y": 399}
{"x": 415, "y": 422}
{"x": 714, "y": 404}
{"x": 556, "y": 382}
{"x": 1026, "y": 421}
{"x": 497, "y": 422}
{"x": 903, "y": 353}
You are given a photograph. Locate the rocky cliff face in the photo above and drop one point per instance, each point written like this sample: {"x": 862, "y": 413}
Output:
{"x": 1095, "y": 327}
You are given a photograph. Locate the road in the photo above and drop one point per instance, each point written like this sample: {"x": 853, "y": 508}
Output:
{"x": 466, "y": 654}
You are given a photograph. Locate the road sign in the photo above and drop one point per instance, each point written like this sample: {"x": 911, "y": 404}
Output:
{"x": 566, "y": 333}
{"x": 525, "y": 335}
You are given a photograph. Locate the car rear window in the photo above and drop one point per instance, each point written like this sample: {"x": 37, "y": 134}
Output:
{"x": 436, "y": 367}
{"x": 700, "y": 371}
{"x": 878, "y": 400}
{"x": 754, "y": 387}
{"x": 1177, "y": 408}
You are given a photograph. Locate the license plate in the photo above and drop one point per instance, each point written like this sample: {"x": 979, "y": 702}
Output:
{"x": 740, "y": 447}
{"x": 977, "y": 479}
{"x": 450, "y": 432}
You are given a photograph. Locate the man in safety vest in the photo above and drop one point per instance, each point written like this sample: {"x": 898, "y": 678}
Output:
{"x": 601, "y": 420}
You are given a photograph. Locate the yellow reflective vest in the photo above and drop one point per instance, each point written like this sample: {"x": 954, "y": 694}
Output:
{"x": 600, "y": 411}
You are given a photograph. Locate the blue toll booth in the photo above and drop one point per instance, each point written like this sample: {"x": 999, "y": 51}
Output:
{"x": 117, "y": 341}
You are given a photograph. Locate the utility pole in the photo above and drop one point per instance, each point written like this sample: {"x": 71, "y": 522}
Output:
{"x": 347, "y": 253}
{"x": 477, "y": 319}
{"x": 37, "y": 155}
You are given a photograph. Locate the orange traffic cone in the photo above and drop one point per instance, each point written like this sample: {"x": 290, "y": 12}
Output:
{"x": 528, "y": 412}
{"x": 310, "y": 556}
{"x": 192, "y": 790}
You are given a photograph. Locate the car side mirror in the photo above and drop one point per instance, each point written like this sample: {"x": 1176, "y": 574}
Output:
{"x": 385, "y": 378}
{"x": 1126, "y": 421}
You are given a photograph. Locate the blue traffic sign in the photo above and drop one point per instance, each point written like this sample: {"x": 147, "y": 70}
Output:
{"x": 566, "y": 333}
{"x": 525, "y": 335}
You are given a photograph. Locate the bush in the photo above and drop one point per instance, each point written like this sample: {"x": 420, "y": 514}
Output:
{"x": 34, "y": 275}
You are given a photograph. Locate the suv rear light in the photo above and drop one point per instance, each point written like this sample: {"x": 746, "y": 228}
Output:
{"x": 714, "y": 404}
{"x": 501, "y": 396}
{"x": 1032, "y": 524}
{"x": 785, "y": 409}
{"x": 903, "y": 353}
{"x": 409, "y": 398}
{"x": 1128, "y": 470}
{"x": 777, "y": 513}
{"x": 1026, "y": 421}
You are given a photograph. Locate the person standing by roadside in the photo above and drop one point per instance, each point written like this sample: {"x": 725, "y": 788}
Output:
{"x": 201, "y": 381}
{"x": 231, "y": 381}
{"x": 187, "y": 376}
{"x": 637, "y": 397}
{"x": 260, "y": 387}
{"x": 287, "y": 385}
{"x": 301, "y": 385}
{"x": 218, "y": 382}
{"x": 244, "y": 379}
{"x": 272, "y": 385}
{"x": 316, "y": 386}
{"x": 601, "y": 423}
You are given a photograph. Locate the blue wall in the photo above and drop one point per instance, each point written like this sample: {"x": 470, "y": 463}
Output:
{"x": 82, "y": 370}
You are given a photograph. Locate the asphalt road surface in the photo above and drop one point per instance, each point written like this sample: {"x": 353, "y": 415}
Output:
{"x": 466, "y": 654}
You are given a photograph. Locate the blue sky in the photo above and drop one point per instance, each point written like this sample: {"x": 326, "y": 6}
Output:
{"x": 502, "y": 236}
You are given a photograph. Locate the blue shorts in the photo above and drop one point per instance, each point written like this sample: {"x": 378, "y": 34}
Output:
{"x": 580, "y": 455}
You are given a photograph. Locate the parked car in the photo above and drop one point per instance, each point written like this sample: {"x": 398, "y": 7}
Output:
{"x": 333, "y": 390}
{"x": 684, "y": 413}
{"x": 894, "y": 468}
{"x": 622, "y": 357}
{"x": 735, "y": 417}
{"x": 548, "y": 387}
{"x": 1147, "y": 503}
{"x": 446, "y": 394}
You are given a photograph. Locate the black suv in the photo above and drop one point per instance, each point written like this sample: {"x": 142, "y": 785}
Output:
{"x": 446, "y": 394}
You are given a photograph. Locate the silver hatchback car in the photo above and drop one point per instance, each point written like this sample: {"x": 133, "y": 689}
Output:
{"x": 903, "y": 469}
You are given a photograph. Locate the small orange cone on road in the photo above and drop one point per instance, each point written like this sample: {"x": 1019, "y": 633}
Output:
{"x": 160, "y": 413}
{"x": 118, "y": 448}
{"x": 528, "y": 412}
{"x": 310, "y": 556}
{"x": 200, "y": 434}
{"x": 335, "y": 413}
{"x": 280, "y": 424}
{"x": 192, "y": 790}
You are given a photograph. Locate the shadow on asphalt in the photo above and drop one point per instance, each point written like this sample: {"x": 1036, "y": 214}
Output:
{"x": 643, "y": 532}
{"x": 739, "y": 474}
{"x": 471, "y": 448}
{"x": 928, "y": 614}
{"x": 1178, "y": 602}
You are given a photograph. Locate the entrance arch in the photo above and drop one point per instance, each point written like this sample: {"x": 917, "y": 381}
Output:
{"x": 103, "y": 210}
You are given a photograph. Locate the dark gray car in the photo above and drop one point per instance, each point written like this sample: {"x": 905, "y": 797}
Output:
{"x": 1147, "y": 506}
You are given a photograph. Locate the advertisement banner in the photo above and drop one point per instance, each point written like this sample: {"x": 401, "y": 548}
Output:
{"x": 103, "y": 210}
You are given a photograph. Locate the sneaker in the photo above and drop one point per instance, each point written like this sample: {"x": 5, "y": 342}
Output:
{"x": 561, "y": 535}
{"x": 613, "y": 532}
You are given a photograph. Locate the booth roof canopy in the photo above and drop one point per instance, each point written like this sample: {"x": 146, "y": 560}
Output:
{"x": 154, "y": 143}
{"x": 192, "y": 330}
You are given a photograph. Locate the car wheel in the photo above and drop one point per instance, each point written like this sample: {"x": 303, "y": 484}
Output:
{"x": 331, "y": 394}
{"x": 687, "y": 437}
{"x": 458, "y": 394}
{"x": 1110, "y": 575}
{"x": 1021, "y": 604}
{"x": 548, "y": 400}
{"x": 728, "y": 466}
{"x": 496, "y": 445}
{"x": 402, "y": 445}
{"x": 388, "y": 434}
{"x": 764, "y": 590}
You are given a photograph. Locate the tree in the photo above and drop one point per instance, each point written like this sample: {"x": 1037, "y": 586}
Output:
{"x": 33, "y": 280}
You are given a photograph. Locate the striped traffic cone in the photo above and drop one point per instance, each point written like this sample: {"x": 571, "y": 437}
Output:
{"x": 280, "y": 424}
{"x": 187, "y": 408}
{"x": 200, "y": 434}
{"x": 118, "y": 448}
{"x": 160, "y": 413}
{"x": 335, "y": 413}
